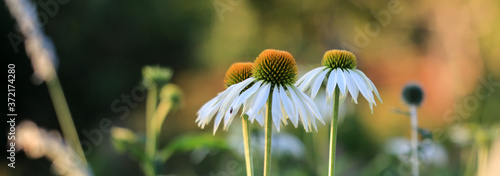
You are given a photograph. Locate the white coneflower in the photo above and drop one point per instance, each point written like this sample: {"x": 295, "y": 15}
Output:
{"x": 342, "y": 77}
{"x": 339, "y": 70}
{"x": 274, "y": 73}
{"x": 237, "y": 73}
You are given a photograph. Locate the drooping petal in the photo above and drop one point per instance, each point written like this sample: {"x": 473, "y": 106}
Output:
{"x": 261, "y": 99}
{"x": 300, "y": 107}
{"x": 235, "y": 92}
{"x": 217, "y": 122}
{"x": 260, "y": 118}
{"x": 307, "y": 75}
{"x": 205, "y": 108}
{"x": 209, "y": 114}
{"x": 248, "y": 102}
{"x": 370, "y": 83}
{"x": 288, "y": 106}
{"x": 309, "y": 80}
{"x": 317, "y": 83}
{"x": 362, "y": 87}
{"x": 240, "y": 101}
{"x": 341, "y": 81}
{"x": 351, "y": 86}
{"x": 332, "y": 83}
{"x": 309, "y": 104}
{"x": 276, "y": 108}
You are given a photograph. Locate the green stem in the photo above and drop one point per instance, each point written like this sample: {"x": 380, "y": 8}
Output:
{"x": 246, "y": 141}
{"x": 268, "y": 132}
{"x": 333, "y": 133}
{"x": 160, "y": 115}
{"x": 470, "y": 166}
{"x": 150, "y": 131}
{"x": 64, "y": 116}
{"x": 482, "y": 160}
{"x": 414, "y": 140}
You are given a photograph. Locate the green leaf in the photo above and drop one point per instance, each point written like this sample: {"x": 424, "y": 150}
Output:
{"x": 191, "y": 142}
{"x": 126, "y": 141}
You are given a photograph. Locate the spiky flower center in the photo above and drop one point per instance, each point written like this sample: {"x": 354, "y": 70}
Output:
{"x": 339, "y": 59}
{"x": 238, "y": 72}
{"x": 276, "y": 67}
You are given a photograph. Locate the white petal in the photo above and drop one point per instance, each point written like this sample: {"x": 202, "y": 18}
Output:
{"x": 361, "y": 84}
{"x": 235, "y": 92}
{"x": 371, "y": 107}
{"x": 247, "y": 105}
{"x": 307, "y": 75}
{"x": 207, "y": 105}
{"x": 310, "y": 104}
{"x": 341, "y": 81}
{"x": 351, "y": 86}
{"x": 260, "y": 118}
{"x": 317, "y": 83}
{"x": 209, "y": 114}
{"x": 227, "y": 118}
{"x": 205, "y": 108}
{"x": 240, "y": 101}
{"x": 370, "y": 84}
{"x": 217, "y": 122}
{"x": 276, "y": 108}
{"x": 232, "y": 112}
{"x": 332, "y": 82}
{"x": 234, "y": 87}
{"x": 288, "y": 106}
{"x": 300, "y": 107}
{"x": 309, "y": 80}
{"x": 261, "y": 99}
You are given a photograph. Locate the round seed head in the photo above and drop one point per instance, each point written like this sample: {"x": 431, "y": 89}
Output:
{"x": 238, "y": 72}
{"x": 339, "y": 59}
{"x": 156, "y": 76}
{"x": 172, "y": 93}
{"x": 413, "y": 94}
{"x": 276, "y": 67}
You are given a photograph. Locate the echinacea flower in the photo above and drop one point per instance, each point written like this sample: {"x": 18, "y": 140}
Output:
{"x": 238, "y": 72}
{"x": 339, "y": 70}
{"x": 274, "y": 73}
{"x": 342, "y": 77}
{"x": 218, "y": 106}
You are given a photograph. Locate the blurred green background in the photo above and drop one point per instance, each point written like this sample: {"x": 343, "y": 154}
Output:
{"x": 447, "y": 46}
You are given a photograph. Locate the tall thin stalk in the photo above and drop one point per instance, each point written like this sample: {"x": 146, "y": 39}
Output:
{"x": 414, "y": 140}
{"x": 333, "y": 133}
{"x": 64, "y": 116}
{"x": 268, "y": 132}
{"x": 150, "y": 131}
{"x": 482, "y": 160}
{"x": 246, "y": 141}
